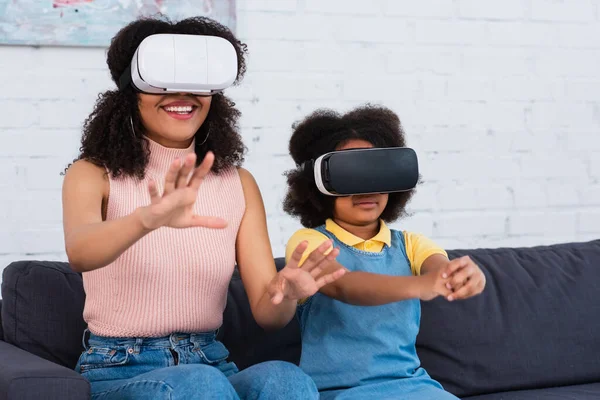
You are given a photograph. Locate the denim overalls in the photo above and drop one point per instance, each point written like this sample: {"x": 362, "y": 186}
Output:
{"x": 366, "y": 352}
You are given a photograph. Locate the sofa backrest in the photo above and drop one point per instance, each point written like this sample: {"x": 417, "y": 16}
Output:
{"x": 537, "y": 324}
{"x": 1, "y": 330}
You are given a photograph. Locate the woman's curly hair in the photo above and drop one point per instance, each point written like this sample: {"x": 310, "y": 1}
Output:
{"x": 108, "y": 140}
{"x": 326, "y": 130}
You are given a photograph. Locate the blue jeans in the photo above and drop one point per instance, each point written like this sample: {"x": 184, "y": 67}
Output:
{"x": 183, "y": 366}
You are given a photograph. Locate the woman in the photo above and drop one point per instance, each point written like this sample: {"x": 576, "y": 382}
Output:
{"x": 156, "y": 237}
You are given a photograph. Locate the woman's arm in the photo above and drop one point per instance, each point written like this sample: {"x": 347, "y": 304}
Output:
{"x": 273, "y": 296}
{"x": 90, "y": 242}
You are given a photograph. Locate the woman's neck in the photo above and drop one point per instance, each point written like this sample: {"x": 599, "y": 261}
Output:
{"x": 364, "y": 232}
{"x": 161, "y": 157}
{"x": 168, "y": 143}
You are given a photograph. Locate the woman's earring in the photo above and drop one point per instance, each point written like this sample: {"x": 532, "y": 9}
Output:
{"x": 207, "y": 135}
{"x": 132, "y": 128}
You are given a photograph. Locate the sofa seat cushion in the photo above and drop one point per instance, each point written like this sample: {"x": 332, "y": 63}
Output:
{"x": 536, "y": 324}
{"x": 589, "y": 391}
{"x": 24, "y": 376}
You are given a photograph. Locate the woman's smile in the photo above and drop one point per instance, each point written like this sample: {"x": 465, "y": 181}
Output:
{"x": 181, "y": 110}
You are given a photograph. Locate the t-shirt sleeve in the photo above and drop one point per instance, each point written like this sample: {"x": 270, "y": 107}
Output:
{"x": 419, "y": 248}
{"x": 314, "y": 239}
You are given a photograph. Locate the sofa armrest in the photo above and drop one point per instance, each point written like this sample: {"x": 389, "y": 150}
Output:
{"x": 25, "y": 376}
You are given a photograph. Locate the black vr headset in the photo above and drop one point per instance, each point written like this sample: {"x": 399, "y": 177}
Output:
{"x": 365, "y": 171}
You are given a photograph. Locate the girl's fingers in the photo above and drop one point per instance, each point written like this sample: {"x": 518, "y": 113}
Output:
{"x": 461, "y": 276}
{"x": 454, "y": 265}
{"x": 466, "y": 291}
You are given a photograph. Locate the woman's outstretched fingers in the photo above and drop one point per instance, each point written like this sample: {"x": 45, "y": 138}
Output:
{"x": 326, "y": 264}
{"x": 202, "y": 170}
{"x": 208, "y": 222}
{"x": 153, "y": 190}
{"x": 171, "y": 177}
{"x": 316, "y": 272}
{"x": 331, "y": 277}
{"x": 296, "y": 256}
{"x": 332, "y": 255}
{"x": 316, "y": 256}
{"x": 276, "y": 293}
{"x": 184, "y": 173}
{"x": 277, "y": 297}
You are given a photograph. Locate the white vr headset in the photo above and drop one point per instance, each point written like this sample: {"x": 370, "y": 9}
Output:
{"x": 174, "y": 63}
{"x": 365, "y": 171}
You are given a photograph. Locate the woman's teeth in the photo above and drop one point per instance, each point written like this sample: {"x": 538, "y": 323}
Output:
{"x": 179, "y": 110}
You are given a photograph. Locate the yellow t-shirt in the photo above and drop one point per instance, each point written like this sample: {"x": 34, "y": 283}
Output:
{"x": 418, "y": 247}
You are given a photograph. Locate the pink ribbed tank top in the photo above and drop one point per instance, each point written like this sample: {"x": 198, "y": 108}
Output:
{"x": 171, "y": 280}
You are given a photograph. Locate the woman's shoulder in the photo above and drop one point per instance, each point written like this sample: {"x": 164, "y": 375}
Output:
{"x": 85, "y": 171}
{"x": 83, "y": 176}
{"x": 242, "y": 172}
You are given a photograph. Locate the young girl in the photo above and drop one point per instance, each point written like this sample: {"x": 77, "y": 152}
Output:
{"x": 350, "y": 350}
{"x": 156, "y": 237}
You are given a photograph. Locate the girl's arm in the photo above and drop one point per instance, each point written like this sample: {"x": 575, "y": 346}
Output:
{"x": 370, "y": 289}
{"x": 458, "y": 279}
{"x": 273, "y": 296}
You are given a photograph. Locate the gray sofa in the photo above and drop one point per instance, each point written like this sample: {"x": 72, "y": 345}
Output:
{"x": 533, "y": 334}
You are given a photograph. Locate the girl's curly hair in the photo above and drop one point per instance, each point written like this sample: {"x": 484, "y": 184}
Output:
{"x": 108, "y": 140}
{"x": 326, "y": 130}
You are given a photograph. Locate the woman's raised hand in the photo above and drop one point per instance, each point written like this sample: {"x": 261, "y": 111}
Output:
{"x": 175, "y": 206}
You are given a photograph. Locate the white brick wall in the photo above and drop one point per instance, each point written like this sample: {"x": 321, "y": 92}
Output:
{"x": 500, "y": 99}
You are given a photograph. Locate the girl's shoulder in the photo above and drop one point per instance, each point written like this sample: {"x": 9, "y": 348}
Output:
{"x": 308, "y": 233}
{"x": 313, "y": 237}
